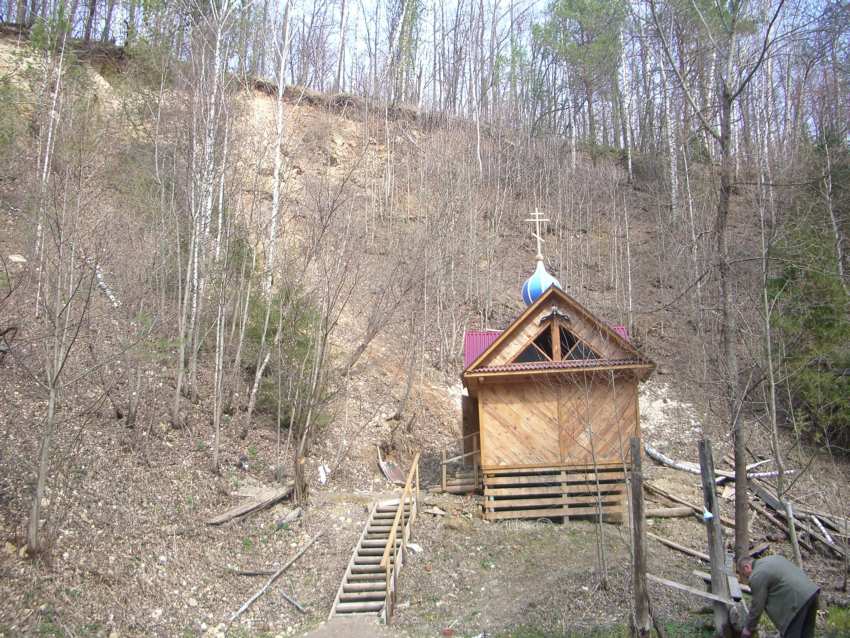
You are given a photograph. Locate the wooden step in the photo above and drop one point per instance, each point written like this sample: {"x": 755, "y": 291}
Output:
{"x": 353, "y": 597}
{"x": 366, "y": 569}
{"x": 369, "y": 560}
{"x": 344, "y": 608}
{"x": 367, "y": 577}
{"x": 378, "y": 543}
{"x": 380, "y": 586}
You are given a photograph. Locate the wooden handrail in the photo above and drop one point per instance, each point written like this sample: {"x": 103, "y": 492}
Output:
{"x": 391, "y": 569}
{"x": 461, "y": 456}
{"x": 408, "y": 484}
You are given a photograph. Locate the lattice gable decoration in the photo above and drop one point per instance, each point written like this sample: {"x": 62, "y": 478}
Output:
{"x": 558, "y": 332}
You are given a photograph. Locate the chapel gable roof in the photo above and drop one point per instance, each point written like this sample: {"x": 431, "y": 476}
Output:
{"x": 554, "y": 334}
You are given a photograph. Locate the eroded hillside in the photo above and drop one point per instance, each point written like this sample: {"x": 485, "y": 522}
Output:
{"x": 396, "y": 233}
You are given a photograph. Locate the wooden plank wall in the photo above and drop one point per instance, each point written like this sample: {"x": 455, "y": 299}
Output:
{"x": 555, "y": 492}
{"x": 544, "y": 423}
{"x": 519, "y": 425}
{"x": 470, "y": 425}
{"x": 597, "y": 418}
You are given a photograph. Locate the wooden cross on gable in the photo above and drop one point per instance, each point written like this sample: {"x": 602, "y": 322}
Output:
{"x": 537, "y": 218}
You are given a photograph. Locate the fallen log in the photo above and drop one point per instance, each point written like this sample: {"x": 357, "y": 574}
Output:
{"x": 267, "y": 499}
{"x": 779, "y": 524}
{"x": 274, "y": 577}
{"x": 660, "y": 457}
{"x": 250, "y": 572}
{"x": 822, "y": 529}
{"x": 681, "y": 548}
{"x": 722, "y": 476}
{"x": 293, "y": 602}
{"x": 779, "y": 506}
{"x": 677, "y": 499}
{"x": 669, "y": 512}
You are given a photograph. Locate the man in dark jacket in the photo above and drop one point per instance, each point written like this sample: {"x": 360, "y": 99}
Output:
{"x": 785, "y": 592}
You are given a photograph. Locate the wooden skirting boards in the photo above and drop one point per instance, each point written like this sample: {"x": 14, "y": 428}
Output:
{"x": 554, "y": 492}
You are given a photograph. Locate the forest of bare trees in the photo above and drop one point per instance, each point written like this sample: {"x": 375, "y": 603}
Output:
{"x": 721, "y": 126}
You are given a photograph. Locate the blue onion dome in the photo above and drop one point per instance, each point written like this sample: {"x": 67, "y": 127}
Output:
{"x": 537, "y": 284}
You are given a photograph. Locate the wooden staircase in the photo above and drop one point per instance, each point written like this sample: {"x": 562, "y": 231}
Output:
{"x": 370, "y": 582}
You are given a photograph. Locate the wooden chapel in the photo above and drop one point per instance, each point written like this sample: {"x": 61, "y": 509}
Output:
{"x": 553, "y": 399}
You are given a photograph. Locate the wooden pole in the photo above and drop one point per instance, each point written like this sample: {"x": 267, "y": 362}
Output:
{"x": 716, "y": 551}
{"x": 792, "y": 534}
{"x": 475, "y": 459}
{"x": 642, "y": 622}
{"x": 444, "y": 471}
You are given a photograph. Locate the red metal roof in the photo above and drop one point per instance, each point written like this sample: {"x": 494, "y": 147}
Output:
{"x": 623, "y": 331}
{"x": 475, "y": 342}
{"x": 562, "y": 365}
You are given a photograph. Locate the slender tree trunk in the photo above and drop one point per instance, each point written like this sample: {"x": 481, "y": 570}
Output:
{"x": 33, "y": 539}
{"x": 89, "y": 21}
{"x": 341, "y": 50}
{"x": 107, "y": 21}
{"x": 280, "y": 128}
{"x": 837, "y": 229}
{"x": 729, "y": 348}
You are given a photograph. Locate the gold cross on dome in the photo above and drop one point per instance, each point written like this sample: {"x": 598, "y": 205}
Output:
{"x": 537, "y": 218}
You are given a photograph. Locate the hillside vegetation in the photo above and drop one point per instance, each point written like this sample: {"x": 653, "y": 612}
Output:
{"x": 210, "y": 286}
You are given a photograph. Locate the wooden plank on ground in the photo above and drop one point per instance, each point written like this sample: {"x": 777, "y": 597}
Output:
{"x": 734, "y": 585}
{"x": 266, "y": 499}
{"x": 690, "y": 590}
{"x": 707, "y": 578}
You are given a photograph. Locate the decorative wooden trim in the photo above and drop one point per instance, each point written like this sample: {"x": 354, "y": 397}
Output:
{"x": 576, "y": 307}
{"x": 531, "y": 341}
{"x": 568, "y": 371}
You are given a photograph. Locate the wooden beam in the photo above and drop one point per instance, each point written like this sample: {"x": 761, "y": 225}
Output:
{"x": 716, "y": 551}
{"x": 718, "y": 600}
{"x": 676, "y": 499}
{"x": 707, "y": 578}
{"x": 641, "y": 620}
{"x": 669, "y": 512}
{"x": 680, "y": 548}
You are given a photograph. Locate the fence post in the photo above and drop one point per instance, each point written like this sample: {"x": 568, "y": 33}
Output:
{"x": 444, "y": 470}
{"x": 642, "y": 622}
